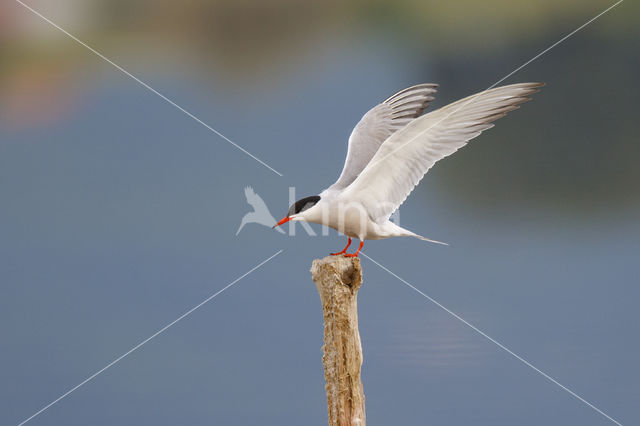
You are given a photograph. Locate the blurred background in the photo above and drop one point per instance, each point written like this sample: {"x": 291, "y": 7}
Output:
{"x": 119, "y": 212}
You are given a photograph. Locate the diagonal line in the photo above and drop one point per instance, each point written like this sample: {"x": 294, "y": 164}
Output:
{"x": 556, "y": 43}
{"x": 500, "y": 345}
{"x": 190, "y": 311}
{"x": 473, "y": 97}
{"x": 145, "y": 85}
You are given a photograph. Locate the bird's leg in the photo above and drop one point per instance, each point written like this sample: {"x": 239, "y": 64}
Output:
{"x": 344, "y": 250}
{"x": 356, "y": 253}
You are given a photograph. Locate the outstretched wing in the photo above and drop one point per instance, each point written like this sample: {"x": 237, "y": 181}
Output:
{"x": 408, "y": 154}
{"x": 380, "y": 123}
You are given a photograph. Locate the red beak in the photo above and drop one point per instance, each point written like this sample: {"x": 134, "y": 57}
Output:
{"x": 284, "y": 220}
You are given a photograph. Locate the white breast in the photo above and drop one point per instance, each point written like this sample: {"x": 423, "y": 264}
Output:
{"x": 349, "y": 218}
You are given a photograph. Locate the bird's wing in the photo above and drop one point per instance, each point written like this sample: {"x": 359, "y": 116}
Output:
{"x": 405, "y": 157}
{"x": 378, "y": 124}
{"x": 254, "y": 200}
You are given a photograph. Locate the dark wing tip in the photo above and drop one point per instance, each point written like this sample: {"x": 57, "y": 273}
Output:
{"x": 425, "y": 88}
{"x": 532, "y": 88}
{"x": 412, "y": 101}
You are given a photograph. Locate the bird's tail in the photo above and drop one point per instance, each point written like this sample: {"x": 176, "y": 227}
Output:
{"x": 397, "y": 231}
{"x": 420, "y": 237}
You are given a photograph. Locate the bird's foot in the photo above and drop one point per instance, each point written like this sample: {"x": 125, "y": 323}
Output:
{"x": 357, "y": 251}
{"x": 343, "y": 250}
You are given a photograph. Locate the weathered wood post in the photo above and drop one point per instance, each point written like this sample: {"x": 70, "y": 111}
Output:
{"x": 338, "y": 279}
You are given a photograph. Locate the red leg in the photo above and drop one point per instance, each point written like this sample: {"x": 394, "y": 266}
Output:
{"x": 357, "y": 252}
{"x": 344, "y": 250}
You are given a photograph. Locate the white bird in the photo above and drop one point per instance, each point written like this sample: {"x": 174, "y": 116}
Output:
{"x": 260, "y": 213}
{"x": 391, "y": 149}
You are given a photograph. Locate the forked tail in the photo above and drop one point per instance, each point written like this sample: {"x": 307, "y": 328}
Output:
{"x": 429, "y": 239}
{"x": 398, "y": 231}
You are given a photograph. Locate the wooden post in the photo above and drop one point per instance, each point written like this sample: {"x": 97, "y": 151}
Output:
{"x": 338, "y": 279}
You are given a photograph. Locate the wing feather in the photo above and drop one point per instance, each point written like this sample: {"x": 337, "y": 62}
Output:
{"x": 404, "y": 158}
{"x": 378, "y": 124}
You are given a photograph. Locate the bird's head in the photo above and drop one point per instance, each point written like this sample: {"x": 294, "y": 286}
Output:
{"x": 298, "y": 207}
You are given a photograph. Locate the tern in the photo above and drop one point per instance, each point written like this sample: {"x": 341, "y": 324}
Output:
{"x": 389, "y": 152}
